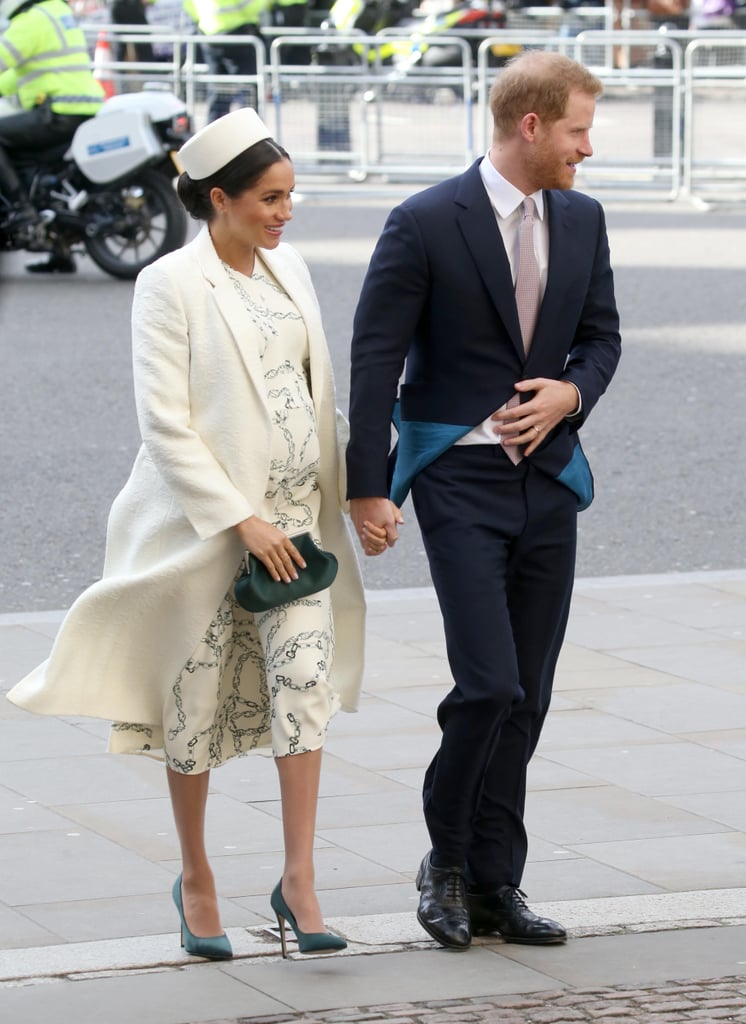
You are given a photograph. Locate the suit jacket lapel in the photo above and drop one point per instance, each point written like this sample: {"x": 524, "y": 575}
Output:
{"x": 482, "y": 235}
{"x": 562, "y": 241}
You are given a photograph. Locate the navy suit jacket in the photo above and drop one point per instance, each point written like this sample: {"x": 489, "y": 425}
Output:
{"x": 438, "y": 302}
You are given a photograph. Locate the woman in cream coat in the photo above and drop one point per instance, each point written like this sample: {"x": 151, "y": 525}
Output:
{"x": 235, "y": 401}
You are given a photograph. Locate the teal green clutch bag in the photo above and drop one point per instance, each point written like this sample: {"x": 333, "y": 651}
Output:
{"x": 256, "y": 591}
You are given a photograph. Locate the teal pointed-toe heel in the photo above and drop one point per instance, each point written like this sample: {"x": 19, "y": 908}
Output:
{"x": 215, "y": 947}
{"x": 308, "y": 942}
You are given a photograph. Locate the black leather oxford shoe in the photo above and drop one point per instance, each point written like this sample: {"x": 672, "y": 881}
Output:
{"x": 443, "y": 911}
{"x": 505, "y": 912}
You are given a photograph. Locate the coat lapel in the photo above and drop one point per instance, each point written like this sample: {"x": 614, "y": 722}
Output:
{"x": 478, "y": 225}
{"x": 232, "y": 311}
{"x": 230, "y": 307}
{"x": 300, "y": 291}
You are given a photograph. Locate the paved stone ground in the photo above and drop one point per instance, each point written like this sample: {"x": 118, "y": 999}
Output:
{"x": 707, "y": 1000}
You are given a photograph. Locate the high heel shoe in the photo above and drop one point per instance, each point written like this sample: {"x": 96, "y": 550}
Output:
{"x": 308, "y": 942}
{"x": 216, "y": 947}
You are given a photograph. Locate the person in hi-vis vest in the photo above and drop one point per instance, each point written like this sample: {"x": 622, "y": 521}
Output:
{"x": 45, "y": 64}
{"x": 227, "y": 18}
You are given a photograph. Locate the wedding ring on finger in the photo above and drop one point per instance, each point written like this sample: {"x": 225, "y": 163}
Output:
{"x": 536, "y": 428}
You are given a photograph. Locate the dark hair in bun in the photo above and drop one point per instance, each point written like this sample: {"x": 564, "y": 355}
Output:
{"x": 240, "y": 174}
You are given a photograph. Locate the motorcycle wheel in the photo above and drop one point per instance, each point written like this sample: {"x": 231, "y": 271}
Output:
{"x": 147, "y": 221}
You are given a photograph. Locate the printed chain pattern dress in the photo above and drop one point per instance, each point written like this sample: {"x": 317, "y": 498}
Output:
{"x": 207, "y": 719}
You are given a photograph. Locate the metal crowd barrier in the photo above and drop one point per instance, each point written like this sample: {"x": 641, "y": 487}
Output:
{"x": 714, "y": 142}
{"x": 350, "y": 109}
{"x": 181, "y": 68}
{"x": 669, "y": 124}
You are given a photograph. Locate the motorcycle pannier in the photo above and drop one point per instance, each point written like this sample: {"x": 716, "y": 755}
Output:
{"x": 105, "y": 148}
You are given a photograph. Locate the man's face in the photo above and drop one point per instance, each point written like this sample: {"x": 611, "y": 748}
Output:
{"x": 559, "y": 147}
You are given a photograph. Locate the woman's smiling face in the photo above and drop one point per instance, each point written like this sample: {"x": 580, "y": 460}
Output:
{"x": 256, "y": 217}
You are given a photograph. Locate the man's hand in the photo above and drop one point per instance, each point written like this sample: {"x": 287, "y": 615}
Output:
{"x": 375, "y": 521}
{"x": 530, "y": 422}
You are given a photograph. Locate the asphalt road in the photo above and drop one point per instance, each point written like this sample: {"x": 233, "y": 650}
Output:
{"x": 667, "y": 443}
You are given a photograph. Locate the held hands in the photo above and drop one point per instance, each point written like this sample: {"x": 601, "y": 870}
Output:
{"x": 530, "y": 422}
{"x": 272, "y": 547}
{"x": 375, "y": 521}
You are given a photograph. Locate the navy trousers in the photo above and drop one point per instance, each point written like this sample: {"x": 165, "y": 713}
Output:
{"x": 501, "y": 542}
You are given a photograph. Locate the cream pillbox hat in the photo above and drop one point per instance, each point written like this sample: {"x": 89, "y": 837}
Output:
{"x": 221, "y": 141}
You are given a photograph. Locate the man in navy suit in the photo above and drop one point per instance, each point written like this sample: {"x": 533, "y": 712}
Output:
{"x": 487, "y": 424}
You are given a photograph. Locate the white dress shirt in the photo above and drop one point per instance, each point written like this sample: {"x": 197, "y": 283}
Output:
{"x": 506, "y": 201}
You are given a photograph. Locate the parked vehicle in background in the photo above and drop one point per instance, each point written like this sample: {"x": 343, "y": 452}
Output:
{"x": 111, "y": 191}
{"x": 469, "y": 20}
{"x": 421, "y": 22}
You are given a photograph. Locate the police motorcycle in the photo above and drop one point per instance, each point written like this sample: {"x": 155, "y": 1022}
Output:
{"x": 111, "y": 190}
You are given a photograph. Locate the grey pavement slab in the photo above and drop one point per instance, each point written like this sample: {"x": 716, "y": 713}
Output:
{"x": 401, "y": 977}
{"x": 578, "y": 816}
{"x": 653, "y": 957}
{"x": 157, "y": 997}
{"x": 635, "y": 813}
{"x": 658, "y": 769}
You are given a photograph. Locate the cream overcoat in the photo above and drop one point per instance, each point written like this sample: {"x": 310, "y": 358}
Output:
{"x": 203, "y": 466}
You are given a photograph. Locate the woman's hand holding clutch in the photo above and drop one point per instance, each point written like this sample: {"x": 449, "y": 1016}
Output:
{"x": 274, "y": 549}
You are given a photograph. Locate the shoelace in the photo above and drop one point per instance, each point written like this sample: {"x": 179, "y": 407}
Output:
{"x": 518, "y": 898}
{"x": 455, "y": 888}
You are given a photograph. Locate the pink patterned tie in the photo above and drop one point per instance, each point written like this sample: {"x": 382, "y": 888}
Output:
{"x": 527, "y": 295}
{"x": 527, "y": 280}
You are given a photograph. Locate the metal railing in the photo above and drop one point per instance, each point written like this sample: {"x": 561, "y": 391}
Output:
{"x": 669, "y": 123}
{"x": 714, "y": 93}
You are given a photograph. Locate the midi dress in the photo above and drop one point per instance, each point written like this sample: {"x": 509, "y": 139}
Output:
{"x": 208, "y": 717}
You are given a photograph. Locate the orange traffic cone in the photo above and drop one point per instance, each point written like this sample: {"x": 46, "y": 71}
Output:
{"x": 102, "y": 59}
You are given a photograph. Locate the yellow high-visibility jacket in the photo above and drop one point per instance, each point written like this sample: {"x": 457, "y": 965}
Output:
{"x": 43, "y": 56}
{"x": 215, "y": 17}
